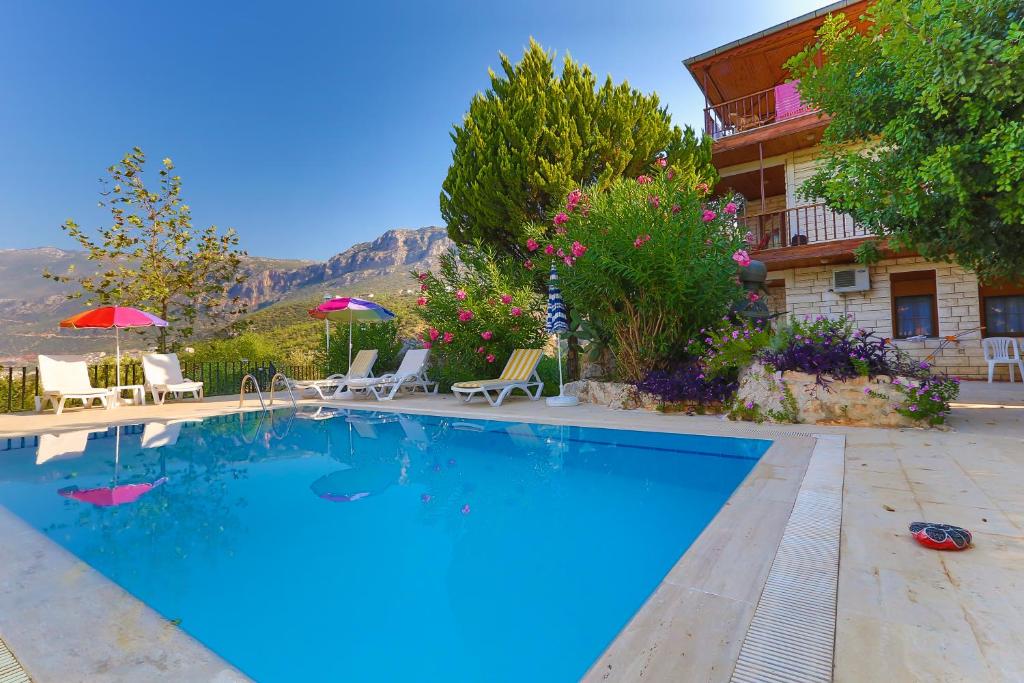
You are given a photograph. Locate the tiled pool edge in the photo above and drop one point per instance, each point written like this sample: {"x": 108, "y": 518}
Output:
{"x": 65, "y": 621}
{"x": 11, "y": 670}
{"x": 693, "y": 626}
{"x": 792, "y": 634}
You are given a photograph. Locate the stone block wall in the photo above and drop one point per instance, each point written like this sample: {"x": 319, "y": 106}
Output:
{"x": 808, "y": 292}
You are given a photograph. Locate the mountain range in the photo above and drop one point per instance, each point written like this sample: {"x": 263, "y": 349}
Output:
{"x": 31, "y": 306}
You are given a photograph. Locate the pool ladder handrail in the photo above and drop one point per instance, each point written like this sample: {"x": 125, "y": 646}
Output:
{"x": 250, "y": 378}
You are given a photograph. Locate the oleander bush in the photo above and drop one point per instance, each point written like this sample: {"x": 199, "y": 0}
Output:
{"x": 476, "y": 314}
{"x": 648, "y": 263}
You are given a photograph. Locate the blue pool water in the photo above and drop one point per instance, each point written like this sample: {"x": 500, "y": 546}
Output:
{"x": 378, "y": 547}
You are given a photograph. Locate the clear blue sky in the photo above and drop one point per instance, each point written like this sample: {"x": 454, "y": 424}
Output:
{"x": 306, "y": 126}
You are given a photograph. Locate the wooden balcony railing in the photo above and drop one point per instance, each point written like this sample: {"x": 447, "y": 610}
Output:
{"x": 800, "y": 225}
{"x": 755, "y": 110}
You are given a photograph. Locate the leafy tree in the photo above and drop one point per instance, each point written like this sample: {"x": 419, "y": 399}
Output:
{"x": 152, "y": 258}
{"x": 926, "y": 142}
{"x": 534, "y": 136}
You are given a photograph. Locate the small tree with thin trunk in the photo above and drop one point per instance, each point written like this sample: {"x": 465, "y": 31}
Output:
{"x": 152, "y": 258}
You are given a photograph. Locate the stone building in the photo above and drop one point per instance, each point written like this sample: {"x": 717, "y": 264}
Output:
{"x": 766, "y": 143}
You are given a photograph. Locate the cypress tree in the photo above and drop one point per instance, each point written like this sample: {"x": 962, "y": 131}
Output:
{"x": 534, "y": 136}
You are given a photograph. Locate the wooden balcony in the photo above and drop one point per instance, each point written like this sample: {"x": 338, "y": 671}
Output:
{"x": 754, "y": 111}
{"x": 803, "y": 236}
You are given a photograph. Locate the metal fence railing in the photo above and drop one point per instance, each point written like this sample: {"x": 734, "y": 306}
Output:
{"x": 19, "y": 385}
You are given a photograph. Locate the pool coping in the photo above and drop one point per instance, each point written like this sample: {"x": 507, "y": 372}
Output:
{"x": 744, "y": 535}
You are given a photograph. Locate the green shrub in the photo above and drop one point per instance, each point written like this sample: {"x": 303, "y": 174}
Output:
{"x": 382, "y": 336}
{"x": 649, "y": 262}
{"x": 476, "y": 315}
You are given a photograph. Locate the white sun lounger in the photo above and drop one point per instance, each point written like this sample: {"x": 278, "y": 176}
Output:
{"x": 411, "y": 375}
{"x": 520, "y": 373}
{"x": 66, "y": 377}
{"x": 362, "y": 367}
{"x": 163, "y": 377}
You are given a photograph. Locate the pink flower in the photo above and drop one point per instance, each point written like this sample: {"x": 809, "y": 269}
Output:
{"x": 423, "y": 276}
{"x": 427, "y": 345}
{"x": 560, "y": 230}
{"x": 654, "y": 200}
{"x": 549, "y": 249}
{"x": 516, "y": 311}
{"x": 531, "y": 244}
{"x": 754, "y": 296}
{"x": 573, "y": 199}
{"x": 676, "y": 208}
{"x": 741, "y": 257}
{"x": 561, "y": 253}
{"x": 480, "y": 349}
{"x": 448, "y": 336}
{"x": 423, "y": 287}
{"x": 637, "y": 243}
{"x": 569, "y": 260}
{"x": 561, "y": 218}
{"x": 487, "y": 335}
{"x": 708, "y": 216}
{"x": 465, "y": 315}
{"x": 528, "y": 264}
{"x": 490, "y": 358}
{"x": 422, "y": 301}
{"x": 750, "y": 239}
{"x": 644, "y": 179}
{"x": 661, "y": 161}
{"x": 434, "y": 334}
{"x": 506, "y": 298}
{"x": 730, "y": 208}
{"x": 671, "y": 174}
{"x": 703, "y": 188}
{"x": 460, "y": 295}
{"x": 578, "y": 249}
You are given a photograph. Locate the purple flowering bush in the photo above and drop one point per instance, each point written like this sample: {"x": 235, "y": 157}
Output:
{"x": 926, "y": 399}
{"x": 831, "y": 349}
{"x": 688, "y": 384}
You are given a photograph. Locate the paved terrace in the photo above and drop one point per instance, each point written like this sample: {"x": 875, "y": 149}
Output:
{"x": 904, "y": 613}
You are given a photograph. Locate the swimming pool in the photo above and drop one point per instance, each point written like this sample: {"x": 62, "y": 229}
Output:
{"x": 364, "y": 545}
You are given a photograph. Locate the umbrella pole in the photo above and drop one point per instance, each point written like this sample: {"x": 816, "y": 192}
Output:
{"x": 117, "y": 451}
{"x": 558, "y": 352}
{"x": 348, "y": 392}
{"x": 117, "y": 346}
{"x": 349, "y": 341}
{"x": 561, "y": 401}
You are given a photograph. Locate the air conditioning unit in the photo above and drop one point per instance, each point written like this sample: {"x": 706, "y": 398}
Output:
{"x": 851, "y": 280}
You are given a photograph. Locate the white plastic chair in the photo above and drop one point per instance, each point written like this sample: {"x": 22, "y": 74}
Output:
{"x": 1002, "y": 350}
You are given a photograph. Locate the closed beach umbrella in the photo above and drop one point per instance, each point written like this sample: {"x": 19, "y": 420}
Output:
{"x": 353, "y": 310}
{"x": 116, "y": 317}
{"x": 557, "y": 323}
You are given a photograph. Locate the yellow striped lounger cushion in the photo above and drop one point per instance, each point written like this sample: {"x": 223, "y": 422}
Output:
{"x": 520, "y": 366}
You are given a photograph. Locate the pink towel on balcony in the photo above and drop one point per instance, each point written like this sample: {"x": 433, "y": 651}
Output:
{"x": 788, "y": 103}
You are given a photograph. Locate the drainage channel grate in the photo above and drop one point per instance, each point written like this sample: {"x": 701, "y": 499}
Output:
{"x": 791, "y": 637}
{"x": 10, "y": 668}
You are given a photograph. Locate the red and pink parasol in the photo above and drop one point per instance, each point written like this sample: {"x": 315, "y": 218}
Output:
{"x": 117, "y": 317}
